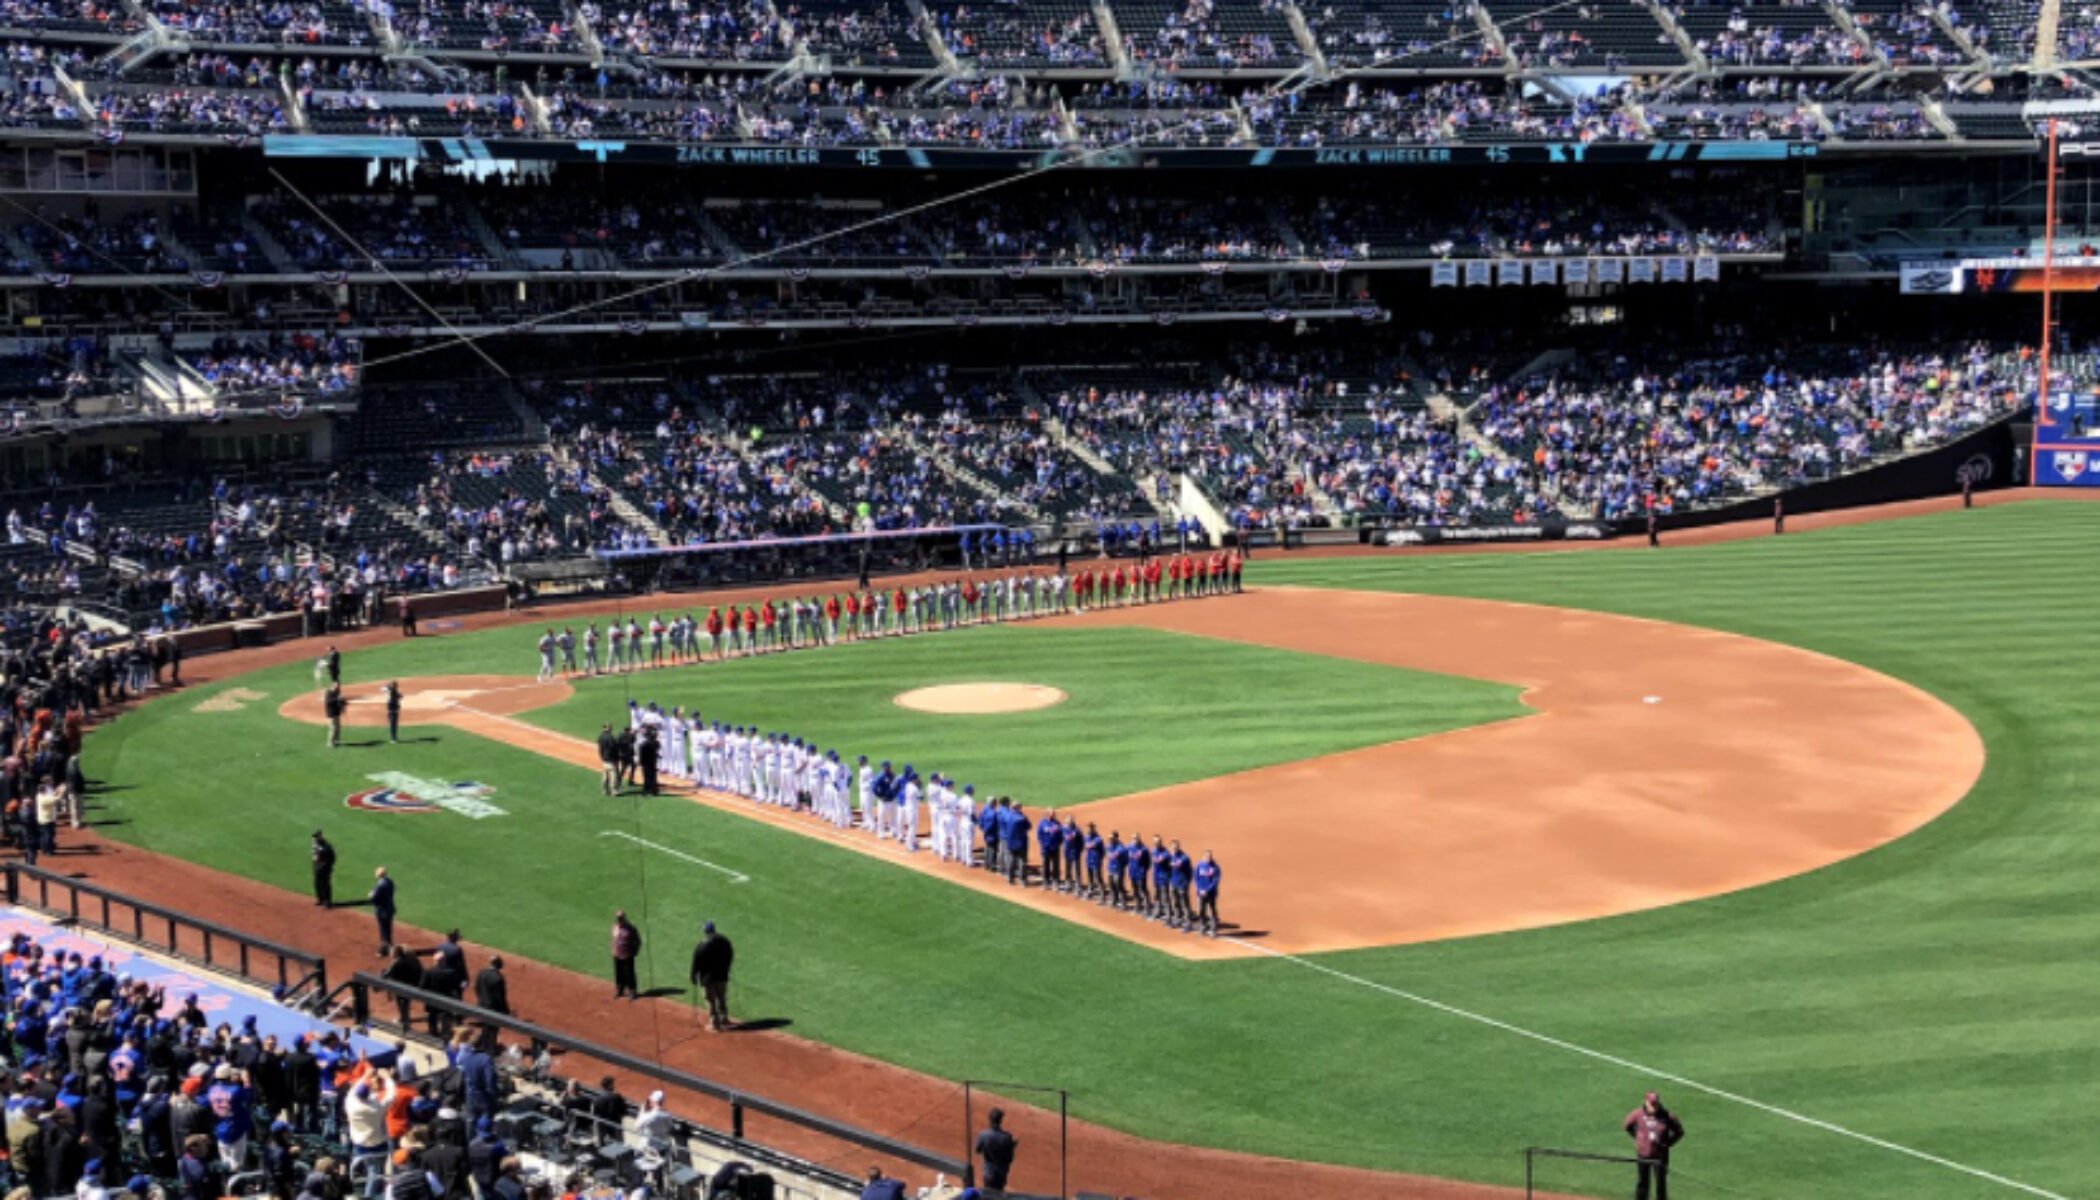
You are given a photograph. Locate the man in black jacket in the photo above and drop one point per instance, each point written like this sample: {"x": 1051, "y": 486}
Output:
{"x": 485, "y": 1155}
{"x": 324, "y": 870}
{"x": 710, "y": 971}
{"x": 491, "y": 990}
{"x": 646, "y": 752}
{"x": 608, "y": 758}
{"x": 302, "y": 1084}
{"x": 332, "y": 708}
{"x": 446, "y": 1159}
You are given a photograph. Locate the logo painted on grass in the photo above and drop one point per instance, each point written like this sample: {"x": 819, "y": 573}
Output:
{"x": 400, "y": 793}
{"x": 230, "y": 700}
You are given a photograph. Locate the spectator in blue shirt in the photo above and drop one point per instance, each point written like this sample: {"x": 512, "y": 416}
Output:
{"x": 882, "y": 1187}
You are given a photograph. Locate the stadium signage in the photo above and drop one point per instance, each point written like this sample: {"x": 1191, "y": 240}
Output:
{"x": 402, "y": 793}
{"x": 1359, "y": 158}
{"x": 1432, "y": 535}
{"x": 750, "y": 156}
{"x": 917, "y": 158}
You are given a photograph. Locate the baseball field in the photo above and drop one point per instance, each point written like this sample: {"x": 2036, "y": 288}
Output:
{"x": 1792, "y": 830}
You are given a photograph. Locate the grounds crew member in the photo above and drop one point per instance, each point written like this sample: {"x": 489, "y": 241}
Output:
{"x": 1654, "y": 1129}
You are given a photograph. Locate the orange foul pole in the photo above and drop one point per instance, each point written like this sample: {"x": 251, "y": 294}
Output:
{"x": 2041, "y": 414}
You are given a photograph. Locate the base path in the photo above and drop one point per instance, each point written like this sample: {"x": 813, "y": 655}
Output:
{"x": 432, "y": 697}
{"x": 1665, "y": 763}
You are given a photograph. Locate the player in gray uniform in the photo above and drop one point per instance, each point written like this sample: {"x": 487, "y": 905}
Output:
{"x": 566, "y": 640}
{"x": 590, "y": 649}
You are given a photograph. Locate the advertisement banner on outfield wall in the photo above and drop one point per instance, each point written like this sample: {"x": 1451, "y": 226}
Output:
{"x": 1452, "y": 535}
{"x": 2067, "y": 466}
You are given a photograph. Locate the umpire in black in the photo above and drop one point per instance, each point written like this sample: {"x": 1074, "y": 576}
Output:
{"x": 323, "y": 855}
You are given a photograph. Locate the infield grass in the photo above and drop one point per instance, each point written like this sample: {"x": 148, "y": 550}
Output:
{"x": 1937, "y": 993}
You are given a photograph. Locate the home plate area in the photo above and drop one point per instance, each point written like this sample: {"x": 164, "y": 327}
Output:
{"x": 493, "y": 695}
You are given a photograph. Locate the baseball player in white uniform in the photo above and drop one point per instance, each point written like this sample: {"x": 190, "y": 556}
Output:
{"x": 908, "y": 796}
{"x": 867, "y": 801}
{"x": 965, "y": 822}
{"x": 674, "y": 744}
{"x": 939, "y": 814}
{"x": 831, "y": 792}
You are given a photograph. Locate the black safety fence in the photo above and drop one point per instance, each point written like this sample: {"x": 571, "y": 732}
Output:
{"x": 291, "y": 975}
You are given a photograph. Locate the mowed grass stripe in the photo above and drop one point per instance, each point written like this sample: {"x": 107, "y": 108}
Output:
{"x": 1984, "y": 608}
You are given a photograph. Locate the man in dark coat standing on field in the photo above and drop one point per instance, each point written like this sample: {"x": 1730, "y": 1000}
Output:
{"x": 711, "y": 961}
{"x": 1654, "y": 1129}
{"x": 626, "y": 947}
{"x": 324, "y": 871}
{"x": 491, "y": 990}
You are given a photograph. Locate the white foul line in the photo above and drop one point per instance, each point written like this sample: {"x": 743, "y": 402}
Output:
{"x": 734, "y": 876}
{"x": 1629, "y": 1064}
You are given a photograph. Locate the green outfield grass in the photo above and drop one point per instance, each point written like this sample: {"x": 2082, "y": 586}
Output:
{"x": 1937, "y": 993}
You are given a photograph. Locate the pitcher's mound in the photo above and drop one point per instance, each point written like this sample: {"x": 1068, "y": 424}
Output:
{"x": 974, "y": 699}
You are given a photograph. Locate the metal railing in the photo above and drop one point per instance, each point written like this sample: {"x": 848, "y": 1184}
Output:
{"x": 363, "y": 988}
{"x": 165, "y": 931}
{"x": 1534, "y": 1153}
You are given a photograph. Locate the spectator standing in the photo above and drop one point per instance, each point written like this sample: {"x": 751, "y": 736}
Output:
{"x": 364, "y": 1113}
{"x": 882, "y": 1187}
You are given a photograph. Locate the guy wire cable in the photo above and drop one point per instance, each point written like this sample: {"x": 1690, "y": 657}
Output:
{"x": 889, "y": 217}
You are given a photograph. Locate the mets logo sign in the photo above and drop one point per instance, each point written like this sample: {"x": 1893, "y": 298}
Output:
{"x": 2070, "y": 464}
{"x": 400, "y": 793}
